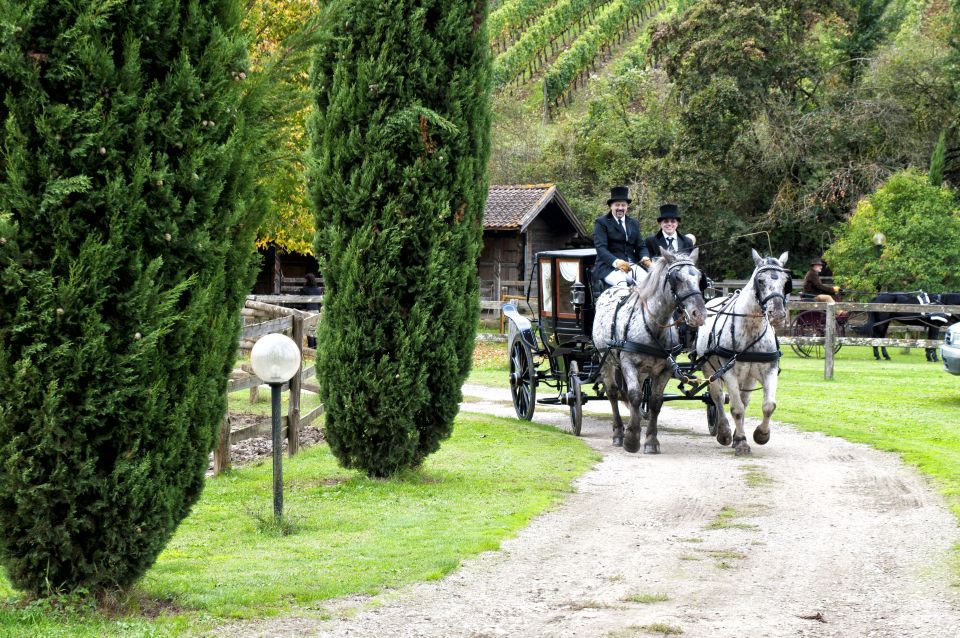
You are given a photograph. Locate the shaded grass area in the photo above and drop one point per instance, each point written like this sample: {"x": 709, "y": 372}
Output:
{"x": 351, "y": 534}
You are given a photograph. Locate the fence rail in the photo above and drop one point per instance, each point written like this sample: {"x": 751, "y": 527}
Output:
{"x": 265, "y": 318}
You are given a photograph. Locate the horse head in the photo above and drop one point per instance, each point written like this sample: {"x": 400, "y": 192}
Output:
{"x": 771, "y": 285}
{"x": 686, "y": 283}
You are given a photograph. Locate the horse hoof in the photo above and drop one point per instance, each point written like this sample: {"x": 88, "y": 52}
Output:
{"x": 724, "y": 439}
{"x": 618, "y": 441}
{"x": 761, "y": 438}
{"x": 631, "y": 444}
{"x": 888, "y": 359}
{"x": 651, "y": 448}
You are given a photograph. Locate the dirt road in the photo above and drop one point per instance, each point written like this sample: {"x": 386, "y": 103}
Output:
{"x": 809, "y": 536}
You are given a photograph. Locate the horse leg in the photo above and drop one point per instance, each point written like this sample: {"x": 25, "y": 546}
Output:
{"x": 762, "y": 434}
{"x": 737, "y": 411}
{"x": 876, "y": 352}
{"x": 883, "y": 349}
{"x": 633, "y": 384}
{"x": 613, "y": 394}
{"x": 723, "y": 426}
{"x": 650, "y": 444}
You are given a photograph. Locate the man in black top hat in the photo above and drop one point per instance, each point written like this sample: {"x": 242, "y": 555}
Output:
{"x": 667, "y": 237}
{"x": 617, "y": 240}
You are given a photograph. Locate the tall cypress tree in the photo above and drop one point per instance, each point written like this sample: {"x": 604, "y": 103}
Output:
{"x": 127, "y": 212}
{"x": 400, "y": 140}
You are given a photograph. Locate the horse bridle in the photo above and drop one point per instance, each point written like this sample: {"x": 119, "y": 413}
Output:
{"x": 756, "y": 285}
{"x": 672, "y": 279}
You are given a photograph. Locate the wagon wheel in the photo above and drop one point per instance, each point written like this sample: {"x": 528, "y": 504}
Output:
{"x": 712, "y": 419}
{"x": 810, "y": 323}
{"x": 575, "y": 398}
{"x": 523, "y": 379}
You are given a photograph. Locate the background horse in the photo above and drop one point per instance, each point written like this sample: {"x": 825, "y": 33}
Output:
{"x": 636, "y": 334}
{"x": 739, "y": 346}
{"x": 879, "y": 322}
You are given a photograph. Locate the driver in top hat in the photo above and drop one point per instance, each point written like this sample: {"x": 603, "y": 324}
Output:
{"x": 667, "y": 237}
{"x": 816, "y": 288}
{"x": 618, "y": 240}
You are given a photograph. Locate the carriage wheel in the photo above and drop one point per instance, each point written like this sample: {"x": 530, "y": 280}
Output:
{"x": 523, "y": 379}
{"x": 810, "y": 323}
{"x": 712, "y": 419}
{"x": 575, "y": 399}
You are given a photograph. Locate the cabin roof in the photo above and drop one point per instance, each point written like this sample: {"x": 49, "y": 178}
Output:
{"x": 515, "y": 206}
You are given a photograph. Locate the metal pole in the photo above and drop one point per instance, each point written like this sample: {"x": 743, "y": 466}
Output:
{"x": 277, "y": 456}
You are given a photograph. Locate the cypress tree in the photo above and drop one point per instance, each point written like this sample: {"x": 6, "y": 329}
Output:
{"x": 127, "y": 210}
{"x": 400, "y": 140}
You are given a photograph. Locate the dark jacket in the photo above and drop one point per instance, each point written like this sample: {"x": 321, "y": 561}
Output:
{"x": 813, "y": 286}
{"x": 311, "y": 291}
{"x": 655, "y": 241}
{"x": 611, "y": 245}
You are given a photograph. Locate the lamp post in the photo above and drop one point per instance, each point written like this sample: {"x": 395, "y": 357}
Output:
{"x": 275, "y": 358}
{"x": 878, "y": 240}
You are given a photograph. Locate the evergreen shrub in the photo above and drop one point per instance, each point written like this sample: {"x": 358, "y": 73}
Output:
{"x": 400, "y": 141}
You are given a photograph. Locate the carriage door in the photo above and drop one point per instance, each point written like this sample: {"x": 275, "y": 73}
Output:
{"x": 546, "y": 287}
{"x": 568, "y": 274}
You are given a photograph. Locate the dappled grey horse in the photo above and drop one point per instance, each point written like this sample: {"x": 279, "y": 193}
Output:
{"x": 738, "y": 348}
{"x": 634, "y": 330}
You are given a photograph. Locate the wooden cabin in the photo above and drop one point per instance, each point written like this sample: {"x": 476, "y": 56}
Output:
{"x": 519, "y": 221}
{"x": 283, "y": 272}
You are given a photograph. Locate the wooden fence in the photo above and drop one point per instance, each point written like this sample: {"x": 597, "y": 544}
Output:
{"x": 260, "y": 319}
{"x": 831, "y": 339}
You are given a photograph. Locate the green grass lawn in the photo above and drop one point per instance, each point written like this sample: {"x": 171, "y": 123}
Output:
{"x": 351, "y": 534}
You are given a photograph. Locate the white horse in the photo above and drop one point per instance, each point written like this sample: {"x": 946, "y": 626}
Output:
{"x": 636, "y": 335}
{"x": 739, "y": 348}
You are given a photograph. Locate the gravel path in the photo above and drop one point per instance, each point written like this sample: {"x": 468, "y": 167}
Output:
{"x": 809, "y": 536}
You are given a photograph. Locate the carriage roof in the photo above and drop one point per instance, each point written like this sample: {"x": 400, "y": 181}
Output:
{"x": 569, "y": 252}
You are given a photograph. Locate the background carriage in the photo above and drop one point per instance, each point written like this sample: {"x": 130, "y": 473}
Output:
{"x": 557, "y": 350}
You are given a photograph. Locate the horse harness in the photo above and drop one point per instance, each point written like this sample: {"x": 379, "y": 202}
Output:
{"x": 657, "y": 349}
{"x": 732, "y": 356}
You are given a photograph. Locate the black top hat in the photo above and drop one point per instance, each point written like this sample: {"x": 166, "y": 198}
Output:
{"x": 619, "y": 194}
{"x": 669, "y": 211}
{"x": 817, "y": 260}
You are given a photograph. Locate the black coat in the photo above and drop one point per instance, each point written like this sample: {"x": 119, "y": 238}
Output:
{"x": 611, "y": 245}
{"x": 655, "y": 241}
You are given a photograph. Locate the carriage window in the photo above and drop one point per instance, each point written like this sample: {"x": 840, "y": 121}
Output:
{"x": 546, "y": 287}
{"x": 569, "y": 274}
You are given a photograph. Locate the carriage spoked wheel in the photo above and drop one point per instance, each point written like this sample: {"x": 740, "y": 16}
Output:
{"x": 523, "y": 379}
{"x": 712, "y": 419}
{"x": 811, "y": 323}
{"x": 575, "y": 398}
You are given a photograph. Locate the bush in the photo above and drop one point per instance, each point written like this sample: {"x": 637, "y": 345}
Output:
{"x": 920, "y": 223}
{"x": 400, "y": 143}
{"x": 130, "y": 206}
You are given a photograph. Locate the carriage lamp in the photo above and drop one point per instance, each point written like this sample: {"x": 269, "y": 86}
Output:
{"x": 578, "y": 294}
{"x": 878, "y": 240}
{"x": 275, "y": 358}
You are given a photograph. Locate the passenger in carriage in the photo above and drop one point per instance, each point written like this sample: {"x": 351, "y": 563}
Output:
{"x": 618, "y": 241}
{"x": 814, "y": 287}
{"x": 667, "y": 237}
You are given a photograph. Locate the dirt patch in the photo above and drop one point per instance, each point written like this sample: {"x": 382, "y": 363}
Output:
{"x": 833, "y": 539}
{"x": 260, "y": 447}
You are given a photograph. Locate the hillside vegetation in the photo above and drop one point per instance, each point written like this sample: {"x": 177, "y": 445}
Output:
{"x": 763, "y": 118}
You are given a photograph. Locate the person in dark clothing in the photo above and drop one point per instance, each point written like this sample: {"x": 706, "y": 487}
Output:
{"x": 311, "y": 288}
{"x": 617, "y": 239}
{"x": 667, "y": 237}
{"x": 816, "y": 288}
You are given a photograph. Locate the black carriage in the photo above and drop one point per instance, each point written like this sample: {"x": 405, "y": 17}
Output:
{"x": 557, "y": 351}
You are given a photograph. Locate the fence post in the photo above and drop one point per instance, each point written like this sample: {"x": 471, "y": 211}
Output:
{"x": 293, "y": 404}
{"x": 830, "y": 338}
{"x": 221, "y": 454}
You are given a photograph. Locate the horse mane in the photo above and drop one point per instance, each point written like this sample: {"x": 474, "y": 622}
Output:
{"x": 648, "y": 287}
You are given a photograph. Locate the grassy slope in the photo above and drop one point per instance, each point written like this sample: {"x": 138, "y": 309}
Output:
{"x": 352, "y": 534}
